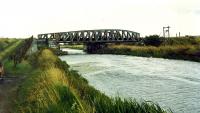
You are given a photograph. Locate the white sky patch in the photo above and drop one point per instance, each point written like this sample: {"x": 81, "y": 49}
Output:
{"x": 22, "y": 18}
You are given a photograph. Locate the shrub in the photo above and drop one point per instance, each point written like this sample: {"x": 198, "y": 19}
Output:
{"x": 153, "y": 40}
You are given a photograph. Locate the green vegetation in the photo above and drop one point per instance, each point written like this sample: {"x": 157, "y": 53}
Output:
{"x": 172, "y": 48}
{"x": 21, "y": 69}
{"x": 52, "y": 88}
{"x": 9, "y": 49}
{"x": 46, "y": 89}
{"x": 183, "y": 48}
{"x": 58, "y": 52}
{"x": 153, "y": 40}
{"x": 182, "y": 41}
{"x": 5, "y": 42}
{"x": 20, "y": 52}
{"x": 12, "y": 76}
{"x": 79, "y": 46}
{"x": 13, "y": 53}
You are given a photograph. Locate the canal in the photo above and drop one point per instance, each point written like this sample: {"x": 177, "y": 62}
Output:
{"x": 172, "y": 84}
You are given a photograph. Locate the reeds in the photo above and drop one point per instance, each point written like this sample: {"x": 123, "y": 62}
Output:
{"x": 184, "y": 52}
{"x": 53, "y": 88}
{"x": 80, "y": 46}
{"x": 46, "y": 90}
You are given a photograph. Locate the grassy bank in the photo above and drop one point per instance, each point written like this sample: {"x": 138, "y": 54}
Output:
{"x": 182, "y": 48}
{"x": 52, "y": 88}
{"x": 187, "y": 52}
{"x": 79, "y": 46}
{"x": 174, "y": 48}
{"x": 181, "y": 41}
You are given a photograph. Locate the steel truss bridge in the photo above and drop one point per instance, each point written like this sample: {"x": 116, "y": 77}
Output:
{"x": 91, "y": 36}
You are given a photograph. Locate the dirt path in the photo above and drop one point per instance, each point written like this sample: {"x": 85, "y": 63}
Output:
{"x": 8, "y": 91}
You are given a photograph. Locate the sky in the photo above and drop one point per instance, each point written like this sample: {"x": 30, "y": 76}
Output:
{"x": 24, "y": 18}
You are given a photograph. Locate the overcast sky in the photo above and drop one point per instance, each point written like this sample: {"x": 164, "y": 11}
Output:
{"x": 21, "y": 18}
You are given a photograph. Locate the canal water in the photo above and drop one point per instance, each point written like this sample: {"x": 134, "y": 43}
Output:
{"x": 172, "y": 84}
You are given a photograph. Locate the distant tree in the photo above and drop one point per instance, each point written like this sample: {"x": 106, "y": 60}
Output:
{"x": 153, "y": 40}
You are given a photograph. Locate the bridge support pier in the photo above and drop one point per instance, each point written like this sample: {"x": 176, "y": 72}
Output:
{"x": 94, "y": 47}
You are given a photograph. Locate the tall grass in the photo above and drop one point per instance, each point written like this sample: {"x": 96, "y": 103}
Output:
{"x": 182, "y": 41}
{"x": 53, "y": 88}
{"x": 184, "y": 52}
{"x": 23, "y": 68}
{"x": 16, "y": 52}
{"x": 5, "y": 42}
{"x": 46, "y": 90}
{"x": 7, "y": 51}
{"x": 79, "y": 46}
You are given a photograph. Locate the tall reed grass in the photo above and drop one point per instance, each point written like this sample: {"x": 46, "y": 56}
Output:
{"x": 182, "y": 41}
{"x": 53, "y": 88}
{"x": 46, "y": 89}
{"x": 79, "y": 46}
{"x": 184, "y": 52}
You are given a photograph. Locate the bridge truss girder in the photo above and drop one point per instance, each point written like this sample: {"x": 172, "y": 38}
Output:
{"x": 85, "y": 36}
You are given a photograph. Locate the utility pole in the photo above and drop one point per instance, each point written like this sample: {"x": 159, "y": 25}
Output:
{"x": 166, "y": 31}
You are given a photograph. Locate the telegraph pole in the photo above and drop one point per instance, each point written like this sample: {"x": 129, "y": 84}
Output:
{"x": 166, "y": 31}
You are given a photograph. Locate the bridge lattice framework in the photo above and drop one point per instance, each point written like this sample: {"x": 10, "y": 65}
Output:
{"x": 90, "y": 36}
